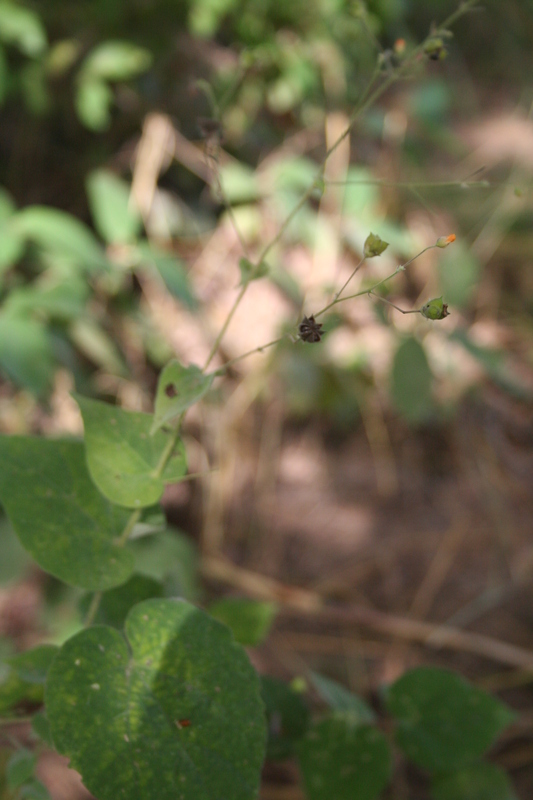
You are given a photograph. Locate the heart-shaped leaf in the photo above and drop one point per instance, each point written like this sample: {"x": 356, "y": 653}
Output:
{"x": 178, "y": 388}
{"x": 59, "y": 515}
{"x": 344, "y": 760}
{"x": 173, "y": 712}
{"x": 444, "y": 723}
{"x": 123, "y": 457}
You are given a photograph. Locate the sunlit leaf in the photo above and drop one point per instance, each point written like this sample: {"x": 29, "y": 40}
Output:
{"x": 249, "y": 620}
{"x": 26, "y": 354}
{"x": 123, "y": 458}
{"x": 116, "y": 61}
{"x": 115, "y": 217}
{"x": 21, "y": 27}
{"x": 174, "y": 707}
{"x": 178, "y": 388}
{"x": 93, "y": 100}
{"x": 61, "y": 519}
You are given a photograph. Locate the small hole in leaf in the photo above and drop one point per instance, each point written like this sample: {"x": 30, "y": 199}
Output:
{"x": 170, "y": 390}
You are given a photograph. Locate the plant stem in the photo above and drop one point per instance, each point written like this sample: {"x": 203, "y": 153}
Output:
{"x": 401, "y": 310}
{"x": 93, "y": 609}
{"x": 358, "y": 267}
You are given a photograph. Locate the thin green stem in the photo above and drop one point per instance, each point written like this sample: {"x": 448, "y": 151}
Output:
{"x": 93, "y": 609}
{"x": 231, "y": 362}
{"x": 483, "y": 184}
{"x": 388, "y": 302}
{"x": 356, "y": 270}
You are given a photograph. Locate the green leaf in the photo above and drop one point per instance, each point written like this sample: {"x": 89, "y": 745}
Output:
{"x": 116, "y": 61}
{"x": 59, "y": 233}
{"x": 172, "y": 271}
{"x": 287, "y": 717}
{"x": 58, "y": 514}
{"x": 21, "y": 27}
{"x": 20, "y": 768}
{"x": 344, "y": 761}
{"x": 178, "y": 388}
{"x": 93, "y": 100}
{"x": 239, "y": 183}
{"x": 251, "y": 272}
{"x": 59, "y": 301}
{"x": 95, "y": 343}
{"x": 444, "y": 723}
{"x": 477, "y": 782}
{"x": 411, "y": 381}
{"x": 459, "y": 271}
{"x": 249, "y": 620}
{"x": 116, "y": 219}
{"x": 26, "y": 354}
{"x": 116, "y": 603}
{"x": 33, "y": 665}
{"x": 41, "y": 727}
{"x": 11, "y": 244}
{"x": 340, "y": 699}
{"x": 14, "y": 691}
{"x": 174, "y": 711}
{"x": 122, "y": 456}
{"x": 172, "y": 558}
{"x": 15, "y": 561}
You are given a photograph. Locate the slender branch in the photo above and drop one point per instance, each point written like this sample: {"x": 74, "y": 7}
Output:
{"x": 401, "y": 310}
{"x": 93, "y": 609}
{"x": 356, "y": 270}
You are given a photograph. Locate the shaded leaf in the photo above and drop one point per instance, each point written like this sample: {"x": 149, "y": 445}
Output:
{"x": 34, "y": 790}
{"x": 287, "y": 717}
{"x": 178, "y": 388}
{"x": 172, "y": 558}
{"x": 58, "y": 514}
{"x": 444, "y": 723}
{"x": 116, "y": 219}
{"x": 123, "y": 458}
{"x": 172, "y": 271}
{"x": 345, "y": 761}
{"x": 340, "y": 699}
{"x": 32, "y": 666}
{"x": 177, "y": 706}
{"x": 249, "y": 620}
{"x": 411, "y": 381}
{"x": 26, "y": 353}
{"x": 20, "y": 768}
{"x": 477, "y": 782}
{"x": 41, "y": 727}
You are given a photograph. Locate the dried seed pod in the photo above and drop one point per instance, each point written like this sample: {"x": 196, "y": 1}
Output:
{"x": 309, "y": 330}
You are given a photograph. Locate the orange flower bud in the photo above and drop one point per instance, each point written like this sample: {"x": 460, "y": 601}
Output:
{"x": 444, "y": 241}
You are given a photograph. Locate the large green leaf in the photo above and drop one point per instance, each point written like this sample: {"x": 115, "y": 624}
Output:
{"x": 173, "y": 712}
{"x": 444, "y": 723}
{"x": 116, "y": 219}
{"x": 58, "y": 514}
{"x": 477, "y": 782}
{"x": 249, "y": 620}
{"x": 411, "y": 381}
{"x": 26, "y": 353}
{"x": 343, "y": 760}
{"x": 60, "y": 233}
{"x": 123, "y": 458}
{"x": 178, "y": 388}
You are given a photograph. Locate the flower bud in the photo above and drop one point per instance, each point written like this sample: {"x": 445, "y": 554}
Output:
{"x": 435, "y": 50}
{"x": 435, "y": 309}
{"x": 444, "y": 241}
{"x": 374, "y": 246}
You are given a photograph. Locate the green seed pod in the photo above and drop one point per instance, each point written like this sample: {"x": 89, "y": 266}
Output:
{"x": 435, "y": 309}
{"x": 374, "y": 246}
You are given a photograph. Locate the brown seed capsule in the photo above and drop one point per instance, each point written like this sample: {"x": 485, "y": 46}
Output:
{"x": 309, "y": 330}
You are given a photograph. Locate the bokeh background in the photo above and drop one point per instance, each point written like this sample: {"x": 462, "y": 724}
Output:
{"x": 145, "y": 148}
